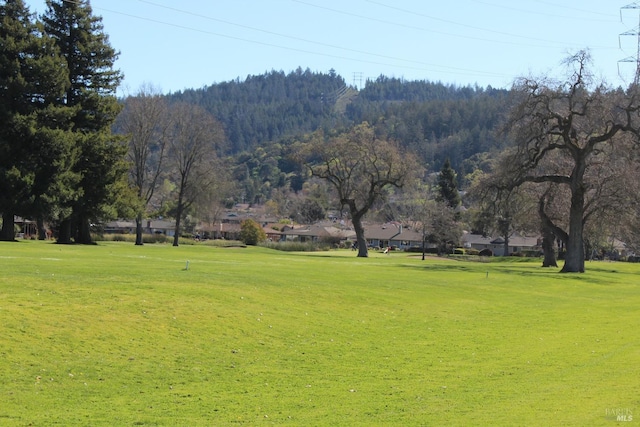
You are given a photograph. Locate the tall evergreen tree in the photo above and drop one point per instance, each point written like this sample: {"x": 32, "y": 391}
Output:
{"x": 34, "y": 151}
{"x": 448, "y": 185}
{"x": 93, "y": 82}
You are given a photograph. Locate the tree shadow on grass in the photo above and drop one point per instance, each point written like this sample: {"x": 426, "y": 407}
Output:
{"x": 593, "y": 276}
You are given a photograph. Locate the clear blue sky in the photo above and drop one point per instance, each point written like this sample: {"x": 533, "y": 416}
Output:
{"x": 193, "y": 43}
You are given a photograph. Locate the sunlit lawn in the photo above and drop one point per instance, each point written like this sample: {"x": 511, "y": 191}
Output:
{"x": 115, "y": 334}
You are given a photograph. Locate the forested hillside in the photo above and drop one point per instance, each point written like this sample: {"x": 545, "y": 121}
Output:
{"x": 263, "y": 114}
{"x": 269, "y": 107}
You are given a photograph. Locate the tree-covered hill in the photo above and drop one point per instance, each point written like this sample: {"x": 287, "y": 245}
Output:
{"x": 268, "y": 107}
{"x": 433, "y": 119}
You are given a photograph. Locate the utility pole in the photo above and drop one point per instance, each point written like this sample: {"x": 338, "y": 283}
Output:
{"x": 357, "y": 80}
{"x": 636, "y": 33}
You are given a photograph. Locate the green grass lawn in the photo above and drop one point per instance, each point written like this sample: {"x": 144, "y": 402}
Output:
{"x": 115, "y": 334}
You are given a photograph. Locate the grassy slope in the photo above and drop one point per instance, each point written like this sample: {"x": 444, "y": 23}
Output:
{"x": 122, "y": 335}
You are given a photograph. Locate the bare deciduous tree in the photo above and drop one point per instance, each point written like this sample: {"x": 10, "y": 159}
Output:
{"x": 194, "y": 138}
{"x": 360, "y": 166}
{"x": 145, "y": 119}
{"x": 561, "y": 131}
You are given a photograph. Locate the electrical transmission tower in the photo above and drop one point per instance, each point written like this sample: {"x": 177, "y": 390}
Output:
{"x": 636, "y": 33}
{"x": 357, "y": 79}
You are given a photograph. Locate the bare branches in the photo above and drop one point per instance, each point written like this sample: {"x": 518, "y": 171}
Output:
{"x": 564, "y": 134}
{"x": 359, "y": 166}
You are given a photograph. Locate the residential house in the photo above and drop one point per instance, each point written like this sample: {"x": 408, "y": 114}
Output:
{"x": 149, "y": 226}
{"x": 316, "y": 233}
{"x": 391, "y": 234}
{"x": 406, "y": 238}
{"x": 381, "y": 235}
{"x": 517, "y": 243}
{"x": 28, "y": 228}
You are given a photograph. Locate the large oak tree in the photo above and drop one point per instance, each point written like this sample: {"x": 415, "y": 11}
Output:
{"x": 563, "y": 132}
{"x": 360, "y": 166}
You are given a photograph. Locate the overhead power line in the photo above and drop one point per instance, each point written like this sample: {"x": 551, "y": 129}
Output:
{"x": 419, "y": 66}
{"x": 472, "y": 27}
{"x": 332, "y": 46}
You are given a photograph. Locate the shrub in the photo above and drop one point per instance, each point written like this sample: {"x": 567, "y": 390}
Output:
{"x": 251, "y": 233}
{"x": 485, "y": 252}
{"x": 220, "y": 243}
{"x": 154, "y": 238}
{"x": 432, "y": 251}
{"x": 331, "y": 241}
{"x": 297, "y": 246}
{"x": 528, "y": 253}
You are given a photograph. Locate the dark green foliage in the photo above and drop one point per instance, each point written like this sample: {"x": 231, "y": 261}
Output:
{"x": 272, "y": 111}
{"x": 311, "y": 211}
{"x": 269, "y": 107}
{"x": 93, "y": 81}
{"x": 433, "y": 120}
{"x": 448, "y": 186}
{"x": 35, "y": 154}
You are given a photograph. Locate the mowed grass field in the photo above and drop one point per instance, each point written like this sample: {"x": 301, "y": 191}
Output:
{"x": 120, "y": 335}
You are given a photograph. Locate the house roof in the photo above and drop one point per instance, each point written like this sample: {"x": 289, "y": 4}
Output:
{"x": 514, "y": 240}
{"x": 319, "y": 231}
{"x": 159, "y": 224}
{"x": 270, "y": 230}
{"x": 120, "y": 224}
{"x": 382, "y": 231}
{"x": 409, "y": 236}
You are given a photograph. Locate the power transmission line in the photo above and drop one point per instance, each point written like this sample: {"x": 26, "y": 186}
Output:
{"x": 633, "y": 32}
{"x": 473, "y": 27}
{"x": 432, "y": 67}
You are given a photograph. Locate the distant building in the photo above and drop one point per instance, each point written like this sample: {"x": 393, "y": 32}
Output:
{"x": 517, "y": 243}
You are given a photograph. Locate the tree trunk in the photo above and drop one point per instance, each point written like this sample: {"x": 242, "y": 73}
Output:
{"x": 42, "y": 232}
{"x": 176, "y": 236}
{"x": 505, "y": 248}
{"x": 84, "y": 231}
{"x": 363, "y": 251}
{"x": 574, "y": 259}
{"x": 139, "y": 241}
{"x": 8, "y": 232}
{"x": 548, "y": 249}
{"x": 64, "y": 232}
{"x": 548, "y": 236}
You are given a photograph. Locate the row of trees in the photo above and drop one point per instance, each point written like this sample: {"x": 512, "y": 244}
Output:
{"x": 572, "y": 155}
{"x": 574, "y": 163}
{"x": 178, "y": 143}
{"x": 59, "y": 161}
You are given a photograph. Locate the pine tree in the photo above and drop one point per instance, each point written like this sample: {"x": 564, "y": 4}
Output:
{"x": 34, "y": 150}
{"x": 93, "y": 81}
{"x": 448, "y": 185}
